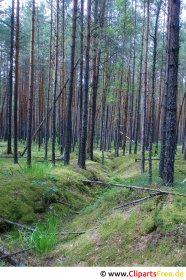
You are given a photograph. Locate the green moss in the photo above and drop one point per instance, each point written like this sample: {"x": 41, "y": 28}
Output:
{"x": 148, "y": 224}
{"x": 170, "y": 217}
{"x": 150, "y": 233}
{"x": 80, "y": 251}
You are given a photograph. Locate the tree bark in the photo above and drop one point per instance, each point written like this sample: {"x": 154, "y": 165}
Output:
{"x": 49, "y": 84}
{"x": 55, "y": 83}
{"x": 16, "y": 85}
{"x": 86, "y": 90}
{"x": 172, "y": 85}
{"x": 151, "y": 133}
{"x": 9, "y": 144}
{"x": 144, "y": 125}
{"x": 31, "y": 83}
{"x": 68, "y": 129}
{"x": 81, "y": 80}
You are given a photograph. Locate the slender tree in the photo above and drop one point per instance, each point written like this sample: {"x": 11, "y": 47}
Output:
{"x": 31, "y": 89}
{"x": 55, "y": 83}
{"x": 9, "y": 144}
{"x": 152, "y": 103}
{"x": 86, "y": 90}
{"x": 145, "y": 90}
{"x": 16, "y": 85}
{"x": 81, "y": 78}
{"x": 68, "y": 130}
{"x": 95, "y": 79}
{"x": 49, "y": 84}
{"x": 172, "y": 86}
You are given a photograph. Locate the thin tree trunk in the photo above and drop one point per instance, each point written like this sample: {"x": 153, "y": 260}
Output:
{"x": 49, "y": 83}
{"x": 81, "y": 80}
{"x": 86, "y": 90}
{"x": 152, "y": 93}
{"x": 31, "y": 83}
{"x": 55, "y": 83}
{"x": 133, "y": 80}
{"x": 95, "y": 79}
{"x": 9, "y": 144}
{"x": 16, "y": 85}
{"x": 139, "y": 91}
{"x": 68, "y": 130}
{"x": 173, "y": 53}
{"x": 145, "y": 92}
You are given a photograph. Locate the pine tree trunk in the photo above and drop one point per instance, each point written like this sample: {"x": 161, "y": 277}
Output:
{"x": 55, "y": 83}
{"x": 16, "y": 85}
{"x": 49, "y": 83}
{"x": 9, "y": 144}
{"x": 95, "y": 79}
{"x": 133, "y": 79}
{"x": 68, "y": 129}
{"x": 31, "y": 84}
{"x": 86, "y": 90}
{"x": 172, "y": 85}
{"x": 81, "y": 80}
{"x": 152, "y": 94}
{"x": 144, "y": 123}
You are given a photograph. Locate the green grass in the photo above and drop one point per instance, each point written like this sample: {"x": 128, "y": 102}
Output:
{"x": 151, "y": 233}
{"x": 45, "y": 236}
{"x": 42, "y": 240}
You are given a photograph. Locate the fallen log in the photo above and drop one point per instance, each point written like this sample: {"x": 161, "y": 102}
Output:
{"x": 10, "y": 258}
{"x": 133, "y": 202}
{"x": 139, "y": 159}
{"x": 131, "y": 187}
{"x": 17, "y": 225}
{"x": 77, "y": 232}
{"x": 5, "y": 256}
{"x": 57, "y": 159}
{"x": 69, "y": 205}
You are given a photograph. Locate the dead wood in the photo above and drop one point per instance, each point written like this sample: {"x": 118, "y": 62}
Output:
{"x": 132, "y": 187}
{"x": 139, "y": 159}
{"x": 77, "y": 232}
{"x": 133, "y": 202}
{"x": 5, "y": 256}
{"x": 9, "y": 257}
{"x": 17, "y": 225}
{"x": 57, "y": 159}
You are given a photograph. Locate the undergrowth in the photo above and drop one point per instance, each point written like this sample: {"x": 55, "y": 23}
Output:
{"x": 41, "y": 240}
{"x": 54, "y": 199}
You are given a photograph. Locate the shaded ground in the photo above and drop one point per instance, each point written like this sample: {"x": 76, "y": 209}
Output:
{"x": 152, "y": 233}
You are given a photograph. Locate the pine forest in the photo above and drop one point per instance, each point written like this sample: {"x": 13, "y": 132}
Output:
{"x": 93, "y": 133}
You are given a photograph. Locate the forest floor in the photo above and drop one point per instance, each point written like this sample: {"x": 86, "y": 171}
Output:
{"x": 53, "y": 200}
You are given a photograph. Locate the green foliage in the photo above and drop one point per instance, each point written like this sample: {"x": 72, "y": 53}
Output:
{"x": 37, "y": 170}
{"x": 45, "y": 236}
{"x": 41, "y": 240}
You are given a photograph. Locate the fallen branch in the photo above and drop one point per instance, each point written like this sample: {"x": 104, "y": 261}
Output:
{"x": 70, "y": 206}
{"x": 5, "y": 256}
{"x": 17, "y": 225}
{"x": 57, "y": 159}
{"x": 131, "y": 187}
{"x": 139, "y": 159}
{"x": 78, "y": 232}
{"x": 137, "y": 200}
{"x": 75, "y": 212}
{"x": 10, "y": 258}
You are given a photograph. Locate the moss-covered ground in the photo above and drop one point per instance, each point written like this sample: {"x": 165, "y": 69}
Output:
{"x": 55, "y": 199}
